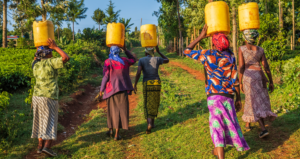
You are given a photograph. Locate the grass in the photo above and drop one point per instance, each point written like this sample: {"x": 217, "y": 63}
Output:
{"x": 182, "y": 126}
{"x": 182, "y": 129}
{"x": 21, "y": 115}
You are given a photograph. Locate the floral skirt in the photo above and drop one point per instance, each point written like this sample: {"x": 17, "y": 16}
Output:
{"x": 223, "y": 123}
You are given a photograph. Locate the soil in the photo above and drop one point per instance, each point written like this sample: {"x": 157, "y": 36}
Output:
{"x": 197, "y": 74}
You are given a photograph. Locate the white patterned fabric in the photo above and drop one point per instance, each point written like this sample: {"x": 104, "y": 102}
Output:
{"x": 45, "y": 118}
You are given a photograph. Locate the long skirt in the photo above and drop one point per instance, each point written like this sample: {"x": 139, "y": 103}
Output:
{"x": 45, "y": 118}
{"x": 118, "y": 111}
{"x": 223, "y": 123}
{"x": 257, "y": 101}
{"x": 151, "y": 92}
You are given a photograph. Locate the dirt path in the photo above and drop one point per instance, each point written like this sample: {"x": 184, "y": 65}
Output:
{"x": 197, "y": 74}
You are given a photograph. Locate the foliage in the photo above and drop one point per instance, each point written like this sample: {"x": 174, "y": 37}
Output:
{"x": 11, "y": 43}
{"x": 24, "y": 43}
{"x": 111, "y": 15}
{"x": 98, "y": 17}
{"x": 274, "y": 49}
{"x": 91, "y": 35}
{"x": 64, "y": 40}
{"x": 126, "y": 23}
{"x": 4, "y": 101}
{"x": 76, "y": 10}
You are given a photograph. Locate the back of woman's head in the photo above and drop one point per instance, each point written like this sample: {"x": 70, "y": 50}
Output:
{"x": 220, "y": 41}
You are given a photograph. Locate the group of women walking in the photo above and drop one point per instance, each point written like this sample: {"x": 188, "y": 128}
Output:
{"x": 221, "y": 85}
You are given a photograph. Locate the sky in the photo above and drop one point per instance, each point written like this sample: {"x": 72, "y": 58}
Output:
{"x": 134, "y": 9}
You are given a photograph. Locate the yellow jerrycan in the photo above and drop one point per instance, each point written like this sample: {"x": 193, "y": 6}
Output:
{"x": 42, "y": 31}
{"x": 248, "y": 16}
{"x": 217, "y": 18}
{"x": 115, "y": 34}
{"x": 148, "y": 35}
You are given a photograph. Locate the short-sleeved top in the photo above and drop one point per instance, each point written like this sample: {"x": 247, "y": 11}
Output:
{"x": 221, "y": 74}
{"x": 46, "y": 75}
{"x": 150, "y": 67}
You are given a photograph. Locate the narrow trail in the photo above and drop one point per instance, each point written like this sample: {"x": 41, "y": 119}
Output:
{"x": 197, "y": 74}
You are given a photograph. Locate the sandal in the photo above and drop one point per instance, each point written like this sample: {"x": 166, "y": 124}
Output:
{"x": 49, "y": 152}
{"x": 213, "y": 153}
{"x": 39, "y": 151}
{"x": 148, "y": 131}
{"x": 110, "y": 133}
{"x": 249, "y": 128}
{"x": 263, "y": 134}
{"x": 117, "y": 138}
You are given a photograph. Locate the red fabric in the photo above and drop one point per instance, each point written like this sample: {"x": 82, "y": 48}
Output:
{"x": 221, "y": 42}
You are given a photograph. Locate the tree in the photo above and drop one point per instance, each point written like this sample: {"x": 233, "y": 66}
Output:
{"x": 76, "y": 10}
{"x": 4, "y": 34}
{"x": 98, "y": 17}
{"x": 111, "y": 16}
{"x": 57, "y": 20}
{"x": 126, "y": 23}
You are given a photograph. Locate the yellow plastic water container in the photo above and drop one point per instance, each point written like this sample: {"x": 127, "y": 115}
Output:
{"x": 115, "y": 34}
{"x": 249, "y": 16}
{"x": 217, "y": 18}
{"x": 148, "y": 35}
{"x": 42, "y": 31}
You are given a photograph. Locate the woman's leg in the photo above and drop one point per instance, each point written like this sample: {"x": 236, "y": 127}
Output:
{"x": 219, "y": 151}
{"x": 149, "y": 125}
{"x": 48, "y": 143}
{"x": 41, "y": 144}
{"x": 262, "y": 124}
{"x": 117, "y": 133}
{"x": 152, "y": 124}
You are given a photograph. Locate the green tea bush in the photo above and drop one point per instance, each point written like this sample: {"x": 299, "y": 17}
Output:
{"x": 274, "y": 49}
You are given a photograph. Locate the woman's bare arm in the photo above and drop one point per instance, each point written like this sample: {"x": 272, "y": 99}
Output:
{"x": 53, "y": 46}
{"x": 268, "y": 71}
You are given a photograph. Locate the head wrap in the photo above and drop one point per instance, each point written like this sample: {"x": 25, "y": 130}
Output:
{"x": 150, "y": 51}
{"x": 115, "y": 54}
{"x": 41, "y": 53}
{"x": 221, "y": 42}
{"x": 250, "y": 35}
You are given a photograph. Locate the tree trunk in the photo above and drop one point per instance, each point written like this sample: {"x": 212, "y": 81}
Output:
{"x": 73, "y": 32}
{"x": 44, "y": 12}
{"x": 293, "y": 48}
{"x": 99, "y": 27}
{"x": 30, "y": 36}
{"x": 234, "y": 31}
{"x": 280, "y": 15}
{"x": 179, "y": 28}
{"x": 57, "y": 32}
{"x": 4, "y": 34}
{"x": 266, "y": 6}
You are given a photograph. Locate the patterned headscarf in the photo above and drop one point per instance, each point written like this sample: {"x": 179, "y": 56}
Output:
{"x": 41, "y": 52}
{"x": 115, "y": 54}
{"x": 150, "y": 51}
{"x": 250, "y": 35}
{"x": 221, "y": 42}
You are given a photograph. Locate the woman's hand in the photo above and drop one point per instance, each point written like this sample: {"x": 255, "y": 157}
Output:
{"x": 238, "y": 105}
{"x": 135, "y": 89}
{"x": 52, "y": 44}
{"x": 271, "y": 87}
{"x": 242, "y": 88}
{"x": 157, "y": 48}
{"x": 101, "y": 94}
{"x": 203, "y": 34}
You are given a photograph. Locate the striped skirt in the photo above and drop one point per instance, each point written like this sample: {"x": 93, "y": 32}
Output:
{"x": 151, "y": 92}
{"x": 45, "y": 118}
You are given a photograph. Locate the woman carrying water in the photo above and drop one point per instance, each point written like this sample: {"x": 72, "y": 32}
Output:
{"x": 221, "y": 84}
{"x": 116, "y": 86}
{"x": 254, "y": 83}
{"x": 151, "y": 83}
{"x": 45, "y": 95}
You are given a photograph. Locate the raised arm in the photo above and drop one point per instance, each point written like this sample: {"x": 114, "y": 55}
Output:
{"x": 166, "y": 60}
{"x": 53, "y": 46}
{"x": 199, "y": 38}
{"x": 241, "y": 68}
{"x": 267, "y": 69}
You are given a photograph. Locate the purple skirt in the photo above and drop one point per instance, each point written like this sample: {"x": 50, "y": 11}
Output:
{"x": 223, "y": 123}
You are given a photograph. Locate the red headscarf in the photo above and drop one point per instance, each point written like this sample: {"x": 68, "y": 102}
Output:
{"x": 221, "y": 42}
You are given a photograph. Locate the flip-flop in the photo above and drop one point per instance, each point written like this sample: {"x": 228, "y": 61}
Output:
{"x": 212, "y": 152}
{"x": 248, "y": 128}
{"x": 117, "y": 138}
{"x": 148, "y": 131}
{"x": 109, "y": 133}
{"x": 39, "y": 151}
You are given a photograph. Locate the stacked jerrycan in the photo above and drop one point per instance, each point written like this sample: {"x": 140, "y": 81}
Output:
{"x": 148, "y": 35}
{"x": 217, "y": 18}
{"x": 42, "y": 31}
{"x": 115, "y": 34}
{"x": 248, "y": 16}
